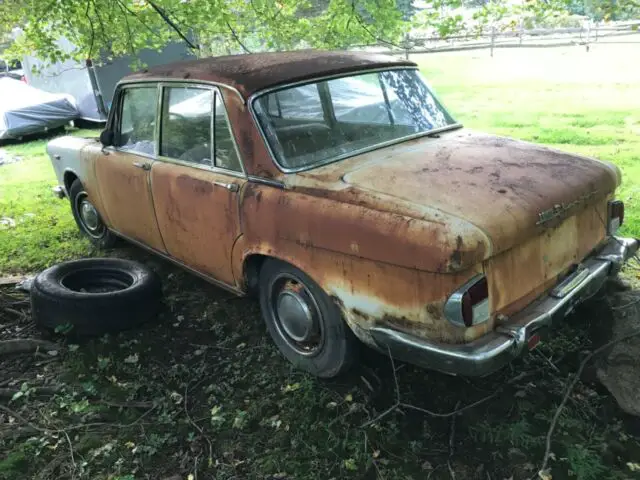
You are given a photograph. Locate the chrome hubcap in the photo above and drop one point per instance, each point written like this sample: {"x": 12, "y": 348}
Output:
{"x": 89, "y": 215}
{"x": 90, "y": 220}
{"x": 296, "y": 315}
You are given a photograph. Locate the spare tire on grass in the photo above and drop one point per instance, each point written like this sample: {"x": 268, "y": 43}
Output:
{"x": 95, "y": 296}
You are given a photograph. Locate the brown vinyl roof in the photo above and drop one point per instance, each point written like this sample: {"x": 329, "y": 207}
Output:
{"x": 253, "y": 72}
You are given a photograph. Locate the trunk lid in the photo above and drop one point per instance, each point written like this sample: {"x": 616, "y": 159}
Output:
{"x": 511, "y": 190}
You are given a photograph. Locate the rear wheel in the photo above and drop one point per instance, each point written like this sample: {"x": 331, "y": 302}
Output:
{"x": 88, "y": 219}
{"x": 304, "y": 322}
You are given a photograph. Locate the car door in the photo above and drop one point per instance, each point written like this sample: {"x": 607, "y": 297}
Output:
{"x": 197, "y": 179}
{"x": 123, "y": 171}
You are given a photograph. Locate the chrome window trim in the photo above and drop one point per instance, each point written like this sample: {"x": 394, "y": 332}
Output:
{"x": 198, "y": 166}
{"x": 216, "y": 93}
{"x": 181, "y": 80}
{"x": 255, "y": 96}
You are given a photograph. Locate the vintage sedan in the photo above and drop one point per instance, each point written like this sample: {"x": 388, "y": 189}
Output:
{"x": 337, "y": 188}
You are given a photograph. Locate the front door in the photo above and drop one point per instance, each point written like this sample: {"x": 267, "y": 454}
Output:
{"x": 196, "y": 180}
{"x": 123, "y": 172}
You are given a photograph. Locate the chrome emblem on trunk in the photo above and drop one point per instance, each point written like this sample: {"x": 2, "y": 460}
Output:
{"x": 560, "y": 208}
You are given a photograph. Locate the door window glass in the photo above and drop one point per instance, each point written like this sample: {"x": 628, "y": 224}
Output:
{"x": 226, "y": 155}
{"x": 138, "y": 120}
{"x": 186, "y": 124}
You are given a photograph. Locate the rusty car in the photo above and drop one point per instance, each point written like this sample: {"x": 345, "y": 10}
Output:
{"x": 337, "y": 188}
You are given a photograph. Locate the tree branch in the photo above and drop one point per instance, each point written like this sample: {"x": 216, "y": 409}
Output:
{"x": 93, "y": 31}
{"x": 172, "y": 25}
{"x": 400, "y": 404}
{"x": 25, "y": 345}
{"x": 237, "y": 39}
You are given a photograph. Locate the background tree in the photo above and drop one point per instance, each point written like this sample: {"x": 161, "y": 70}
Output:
{"x": 108, "y": 28}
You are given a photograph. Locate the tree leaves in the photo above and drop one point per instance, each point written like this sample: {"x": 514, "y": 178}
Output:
{"x": 105, "y": 29}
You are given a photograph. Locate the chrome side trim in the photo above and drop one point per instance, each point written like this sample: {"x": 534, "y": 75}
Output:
{"x": 511, "y": 339}
{"x": 180, "y": 264}
{"x": 267, "y": 181}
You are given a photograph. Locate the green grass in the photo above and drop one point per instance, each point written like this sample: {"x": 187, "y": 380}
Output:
{"x": 587, "y": 103}
{"x": 44, "y": 231}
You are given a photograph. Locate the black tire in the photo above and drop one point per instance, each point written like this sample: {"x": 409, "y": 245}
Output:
{"x": 336, "y": 347}
{"x": 100, "y": 236}
{"x": 95, "y": 296}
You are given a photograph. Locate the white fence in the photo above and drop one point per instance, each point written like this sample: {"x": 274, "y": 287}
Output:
{"x": 619, "y": 33}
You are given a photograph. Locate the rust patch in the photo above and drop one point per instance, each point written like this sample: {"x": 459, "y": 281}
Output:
{"x": 196, "y": 185}
{"x": 125, "y": 194}
{"x": 199, "y": 222}
{"x": 518, "y": 275}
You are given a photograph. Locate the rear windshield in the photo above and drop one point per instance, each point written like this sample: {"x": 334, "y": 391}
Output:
{"x": 318, "y": 123}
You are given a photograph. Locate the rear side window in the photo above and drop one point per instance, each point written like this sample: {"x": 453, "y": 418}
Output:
{"x": 195, "y": 128}
{"x": 136, "y": 131}
{"x": 226, "y": 155}
{"x": 186, "y": 125}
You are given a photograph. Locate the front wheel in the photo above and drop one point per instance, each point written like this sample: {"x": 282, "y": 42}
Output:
{"x": 88, "y": 219}
{"x": 304, "y": 322}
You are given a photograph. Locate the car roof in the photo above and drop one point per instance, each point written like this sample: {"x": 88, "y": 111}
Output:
{"x": 253, "y": 72}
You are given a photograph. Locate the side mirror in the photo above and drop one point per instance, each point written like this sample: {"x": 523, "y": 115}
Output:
{"x": 106, "y": 138}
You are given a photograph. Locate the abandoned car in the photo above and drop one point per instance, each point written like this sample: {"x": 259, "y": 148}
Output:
{"x": 337, "y": 188}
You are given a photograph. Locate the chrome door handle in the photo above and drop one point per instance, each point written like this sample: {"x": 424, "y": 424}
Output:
{"x": 142, "y": 165}
{"x": 232, "y": 187}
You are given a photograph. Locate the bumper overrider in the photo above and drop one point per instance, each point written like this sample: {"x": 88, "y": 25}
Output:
{"x": 512, "y": 338}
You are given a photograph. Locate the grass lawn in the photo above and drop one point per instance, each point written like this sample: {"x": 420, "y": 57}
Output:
{"x": 203, "y": 393}
{"x": 44, "y": 231}
{"x": 566, "y": 98}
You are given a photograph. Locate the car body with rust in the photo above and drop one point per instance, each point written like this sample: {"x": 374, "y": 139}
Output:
{"x": 336, "y": 187}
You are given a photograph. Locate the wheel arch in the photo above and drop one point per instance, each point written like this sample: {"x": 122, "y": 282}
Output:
{"x": 69, "y": 177}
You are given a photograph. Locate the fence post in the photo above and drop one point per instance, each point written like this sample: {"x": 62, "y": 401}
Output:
{"x": 588, "y": 35}
{"x": 493, "y": 39}
{"x": 521, "y": 32}
{"x": 406, "y": 45}
{"x": 597, "y": 23}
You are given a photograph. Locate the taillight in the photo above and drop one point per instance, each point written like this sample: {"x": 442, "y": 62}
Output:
{"x": 616, "y": 216}
{"x": 470, "y": 304}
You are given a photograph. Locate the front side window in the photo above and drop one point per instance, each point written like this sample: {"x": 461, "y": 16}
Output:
{"x": 136, "y": 130}
{"x": 186, "y": 125}
{"x": 314, "y": 124}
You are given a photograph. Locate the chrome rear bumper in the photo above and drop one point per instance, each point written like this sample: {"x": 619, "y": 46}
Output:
{"x": 511, "y": 339}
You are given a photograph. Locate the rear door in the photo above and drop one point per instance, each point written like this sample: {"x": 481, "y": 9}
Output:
{"x": 197, "y": 179}
{"x": 123, "y": 171}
